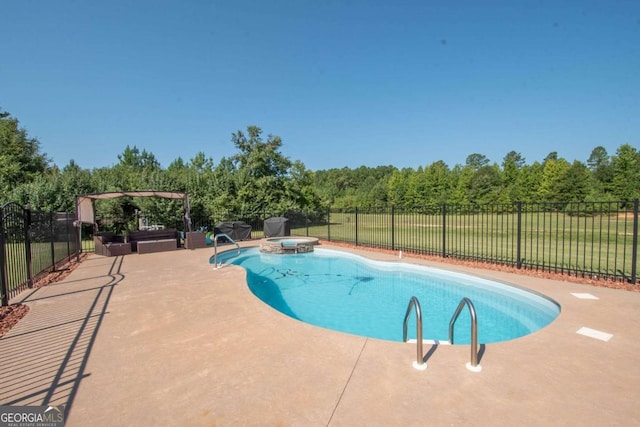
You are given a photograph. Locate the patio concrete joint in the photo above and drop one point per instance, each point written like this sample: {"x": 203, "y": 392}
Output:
{"x": 348, "y": 381}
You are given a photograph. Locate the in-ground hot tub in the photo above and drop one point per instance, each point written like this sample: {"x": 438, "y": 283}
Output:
{"x": 288, "y": 245}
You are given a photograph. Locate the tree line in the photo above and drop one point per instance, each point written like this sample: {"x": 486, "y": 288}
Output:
{"x": 602, "y": 177}
{"x": 259, "y": 179}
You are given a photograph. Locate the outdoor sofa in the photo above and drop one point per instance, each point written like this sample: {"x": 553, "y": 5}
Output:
{"x": 110, "y": 244}
{"x": 146, "y": 241}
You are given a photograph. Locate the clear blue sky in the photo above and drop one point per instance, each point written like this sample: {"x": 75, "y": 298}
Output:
{"x": 343, "y": 82}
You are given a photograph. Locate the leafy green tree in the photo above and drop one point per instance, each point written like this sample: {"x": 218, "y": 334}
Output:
{"x": 551, "y": 156}
{"x": 476, "y": 161}
{"x": 601, "y": 169}
{"x": 176, "y": 175}
{"x": 260, "y": 171}
{"x": 598, "y": 158}
{"x": 198, "y": 178}
{"x": 41, "y": 194}
{"x": 226, "y": 181}
{"x": 626, "y": 173}
{"x": 528, "y": 182}
{"x": 438, "y": 184}
{"x": 73, "y": 180}
{"x": 485, "y": 185}
{"x": 132, "y": 158}
{"x": 511, "y": 168}
{"x": 399, "y": 186}
{"x": 136, "y": 170}
{"x": 553, "y": 172}
{"x": 575, "y": 185}
{"x": 378, "y": 194}
{"x": 53, "y": 190}
{"x": 326, "y": 183}
{"x": 417, "y": 188}
{"x": 262, "y": 177}
{"x": 461, "y": 178}
{"x": 20, "y": 158}
{"x": 301, "y": 194}
{"x": 105, "y": 179}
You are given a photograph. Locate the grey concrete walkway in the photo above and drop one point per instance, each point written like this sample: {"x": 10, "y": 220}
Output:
{"x": 163, "y": 339}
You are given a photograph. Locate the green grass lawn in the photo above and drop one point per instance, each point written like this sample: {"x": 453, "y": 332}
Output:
{"x": 43, "y": 257}
{"x": 551, "y": 240}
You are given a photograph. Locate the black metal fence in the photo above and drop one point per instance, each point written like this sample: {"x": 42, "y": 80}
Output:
{"x": 299, "y": 221}
{"x": 31, "y": 243}
{"x": 589, "y": 239}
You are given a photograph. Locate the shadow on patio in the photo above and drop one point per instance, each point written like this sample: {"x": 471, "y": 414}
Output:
{"x": 44, "y": 356}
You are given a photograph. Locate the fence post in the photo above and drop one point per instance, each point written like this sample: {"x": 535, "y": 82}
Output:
{"x": 306, "y": 221}
{"x": 356, "y": 226}
{"x": 393, "y": 228}
{"x": 634, "y": 250}
{"x": 77, "y": 229}
{"x": 4, "y": 282}
{"x": 68, "y": 232}
{"x": 444, "y": 230}
{"x": 328, "y": 224}
{"x": 519, "y": 236}
{"x": 53, "y": 250}
{"x": 26, "y": 214}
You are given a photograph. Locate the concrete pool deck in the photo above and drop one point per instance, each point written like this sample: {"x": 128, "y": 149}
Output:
{"x": 163, "y": 339}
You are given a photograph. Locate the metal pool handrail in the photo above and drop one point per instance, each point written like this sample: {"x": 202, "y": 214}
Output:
{"x": 215, "y": 247}
{"x": 415, "y": 304}
{"x": 473, "y": 365}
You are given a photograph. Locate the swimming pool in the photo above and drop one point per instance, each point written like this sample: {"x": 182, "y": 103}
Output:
{"x": 352, "y": 294}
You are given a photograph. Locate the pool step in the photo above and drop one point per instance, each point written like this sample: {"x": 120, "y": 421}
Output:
{"x": 430, "y": 342}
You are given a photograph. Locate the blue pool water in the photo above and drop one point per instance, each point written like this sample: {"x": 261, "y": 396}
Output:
{"x": 349, "y": 293}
